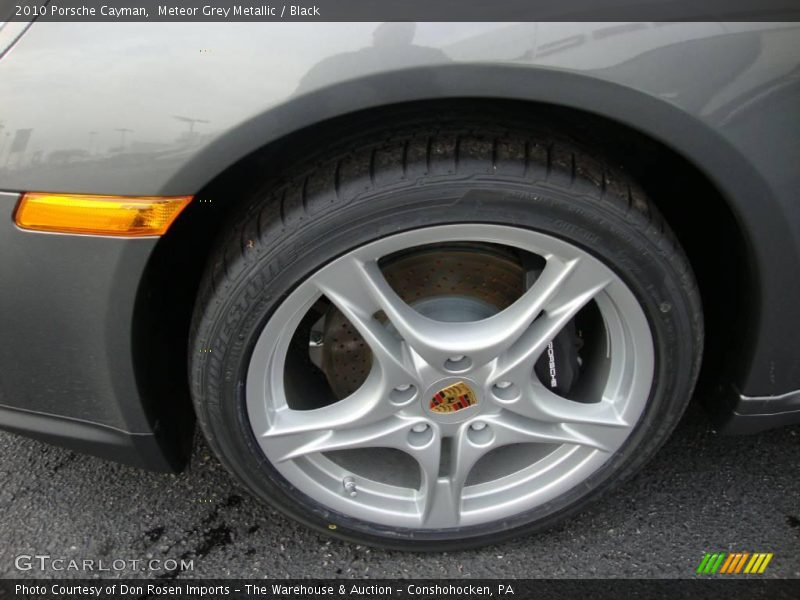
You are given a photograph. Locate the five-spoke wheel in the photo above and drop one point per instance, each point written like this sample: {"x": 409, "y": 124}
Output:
{"x": 414, "y": 357}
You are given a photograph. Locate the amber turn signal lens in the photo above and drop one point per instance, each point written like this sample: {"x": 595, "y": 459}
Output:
{"x": 125, "y": 216}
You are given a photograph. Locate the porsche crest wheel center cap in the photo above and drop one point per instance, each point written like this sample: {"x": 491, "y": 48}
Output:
{"x": 453, "y": 398}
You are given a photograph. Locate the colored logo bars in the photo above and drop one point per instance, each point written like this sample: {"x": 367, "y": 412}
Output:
{"x": 734, "y": 563}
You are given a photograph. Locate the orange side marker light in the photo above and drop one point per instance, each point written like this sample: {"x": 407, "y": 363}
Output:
{"x": 124, "y": 216}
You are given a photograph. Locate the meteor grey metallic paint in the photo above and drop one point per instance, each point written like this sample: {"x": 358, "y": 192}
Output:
{"x": 162, "y": 109}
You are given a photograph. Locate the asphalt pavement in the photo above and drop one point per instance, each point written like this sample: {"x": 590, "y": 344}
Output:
{"x": 703, "y": 492}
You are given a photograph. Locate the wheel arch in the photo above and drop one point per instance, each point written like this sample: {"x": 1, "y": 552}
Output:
{"x": 697, "y": 156}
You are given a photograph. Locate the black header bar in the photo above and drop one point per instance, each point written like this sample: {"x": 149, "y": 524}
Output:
{"x": 399, "y": 10}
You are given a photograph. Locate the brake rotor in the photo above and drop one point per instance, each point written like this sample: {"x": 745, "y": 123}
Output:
{"x": 492, "y": 276}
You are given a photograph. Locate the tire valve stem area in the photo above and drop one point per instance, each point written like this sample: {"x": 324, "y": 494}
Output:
{"x": 350, "y": 486}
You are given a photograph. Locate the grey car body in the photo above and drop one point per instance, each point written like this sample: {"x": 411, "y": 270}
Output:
{"x": 91, "y": 326}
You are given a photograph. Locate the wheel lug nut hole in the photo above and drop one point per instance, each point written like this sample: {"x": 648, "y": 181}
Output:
{"x": 480, "y": 434}
{"x": 457, "y": 364}
{"x": 418, "y": 439}
{"x": 505, "y": 390}
{"x": 402, "y": 394}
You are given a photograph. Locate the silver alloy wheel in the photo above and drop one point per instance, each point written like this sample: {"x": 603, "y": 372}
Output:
{"x": 556, "y": 442}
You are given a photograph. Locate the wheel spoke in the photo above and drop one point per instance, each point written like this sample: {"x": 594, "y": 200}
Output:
{"x": 391, "y": 432}
{"x": 364, "y": 291}
{"x": 437, "y": 502}
{"x": 442, "y": 496}
{"x": 582, "y": 283}
{"x": 439, "y": 506}
{"x": 511, "y": 428}
{"x": 598, "y": 421}
{"x": 291, "y": 430}
{"x": 348, "y": 284}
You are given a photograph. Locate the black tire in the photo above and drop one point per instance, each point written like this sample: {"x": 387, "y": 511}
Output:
{"x": 381, "y": 182}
